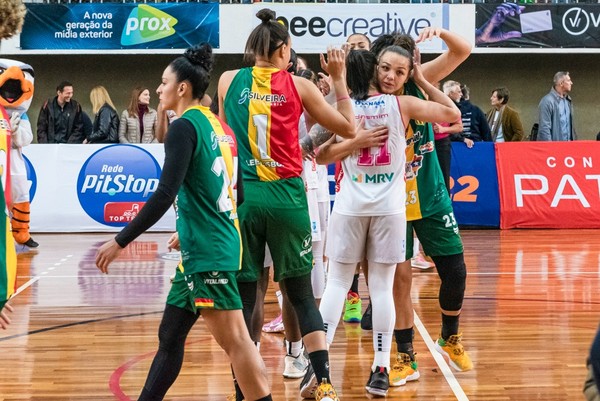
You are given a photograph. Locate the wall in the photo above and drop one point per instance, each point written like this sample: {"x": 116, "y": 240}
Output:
{"x": 528, "y": 77}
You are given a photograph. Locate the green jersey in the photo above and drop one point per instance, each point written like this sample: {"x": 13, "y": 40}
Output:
{"x": 426, "y": 192}
{"x": 207, "y": 220}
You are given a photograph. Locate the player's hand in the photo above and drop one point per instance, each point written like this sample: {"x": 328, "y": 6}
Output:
{"x": 370, "y": 138}
{"x": 4, "y": 319}
{"x": 106, "y": 254}
{"x": 173, "y": 242}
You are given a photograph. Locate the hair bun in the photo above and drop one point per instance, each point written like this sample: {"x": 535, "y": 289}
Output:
{"x": 200, "y": 54}
{"x": 266, "y": 15}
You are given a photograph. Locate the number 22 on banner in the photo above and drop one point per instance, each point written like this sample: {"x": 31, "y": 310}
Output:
{"x": 466, "y": 194}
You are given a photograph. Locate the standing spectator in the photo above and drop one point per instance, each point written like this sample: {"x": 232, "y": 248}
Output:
{"x": 138, "y": 122}
{"x": 503, "y": 120}
{"x": 443, "y": 131}
{"x": 556, "y": 111}
{"x": 60, "y": 118}
{"x": 475, "y": 125}
{"x": 106, "y": 121}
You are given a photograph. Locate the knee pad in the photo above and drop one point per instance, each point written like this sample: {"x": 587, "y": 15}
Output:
{"x": 453, "y": 274}
{"x": 300, "y": 295}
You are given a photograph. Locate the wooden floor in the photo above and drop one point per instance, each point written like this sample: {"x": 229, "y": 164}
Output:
{"x": 531, "y": 310}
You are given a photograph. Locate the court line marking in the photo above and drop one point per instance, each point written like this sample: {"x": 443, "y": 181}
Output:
{"x": 441, "y": 362}
{"x": 35, "y": 278}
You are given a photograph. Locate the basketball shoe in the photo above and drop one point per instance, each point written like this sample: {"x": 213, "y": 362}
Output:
{"x": 454, "y": 350}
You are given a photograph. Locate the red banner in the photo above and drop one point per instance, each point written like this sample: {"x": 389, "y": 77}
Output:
{"x": 549, "y": 184}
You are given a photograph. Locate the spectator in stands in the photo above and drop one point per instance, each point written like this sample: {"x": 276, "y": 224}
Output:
{"x": 106, "y": 121}
{"x": 60, "y": 120}
{"x": 475, "y": 125}
{"x": 138, "y": 121}
{"x": 359, "y": 41}
{"x": 443, "y": 131}
{"x": 504, "y": 121}
{"x": 556, "y": 111}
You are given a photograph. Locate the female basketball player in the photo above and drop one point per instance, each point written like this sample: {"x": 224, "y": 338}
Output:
{"x": 368, "y": 218}
{"x": 201, "y": 170}
{"x": 263, "y": 105}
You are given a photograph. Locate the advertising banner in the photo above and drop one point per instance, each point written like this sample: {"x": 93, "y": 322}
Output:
{"x": 120, "y": 26}
{"x": 474, "y": 185}
{"x": 312, "y": 27}
{"x": 538, "y": 25}
{"x": 549, "y": 184}
{"x": 79, "y": 188}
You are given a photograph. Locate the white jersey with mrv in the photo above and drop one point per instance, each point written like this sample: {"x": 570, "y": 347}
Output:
{"x": 373, "y": 178}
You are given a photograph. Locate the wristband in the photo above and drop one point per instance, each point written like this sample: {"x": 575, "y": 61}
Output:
{"x": 339, "y": 99}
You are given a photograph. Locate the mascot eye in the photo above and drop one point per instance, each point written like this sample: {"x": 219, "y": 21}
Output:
{"x": 2, "y": 69}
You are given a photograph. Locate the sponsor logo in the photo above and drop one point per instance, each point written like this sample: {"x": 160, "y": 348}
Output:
{"x": 306, "y": 245}
{"x": 31, "y": 177}
{"x": 147, "y": 24}
{"x": 247, "y": 94}
{"x": 215, "y": 279}
{"x": 577, "y": 21}
{"x": 413, "y": 167}
{"x": 115, "y": 182}
{"x": 426, "y": 148}
{"x": 373, "y": 178}
{"x": 267, "y": 163}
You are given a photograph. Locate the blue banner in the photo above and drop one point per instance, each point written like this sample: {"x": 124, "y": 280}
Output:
{"x": 102, "y": 26}
{"x": 474, "y": 184}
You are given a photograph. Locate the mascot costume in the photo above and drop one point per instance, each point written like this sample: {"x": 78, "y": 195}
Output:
{"x": 16, "y": 93}
{"x": 12, "y": 14}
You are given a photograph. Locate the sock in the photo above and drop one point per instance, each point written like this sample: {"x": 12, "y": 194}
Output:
{"x": 320, "y": 364}
{"x": 279, "y": 298}
{"x": 449, "y": 326}
{"x": 293, "y": 348}
{"x": 404, "y": 341}
{"x": 354, "y": 286}
{"x": 416, "y": 249}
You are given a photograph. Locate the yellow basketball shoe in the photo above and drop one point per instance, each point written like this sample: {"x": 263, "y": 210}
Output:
{"x": 454, "y": 350}
{"x": 404, "y": 370}
{"x": 326, "y": 392}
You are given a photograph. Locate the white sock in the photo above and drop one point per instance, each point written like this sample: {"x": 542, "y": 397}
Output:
{"x": 293, "y": 348}
{"x": 416, "y": 247}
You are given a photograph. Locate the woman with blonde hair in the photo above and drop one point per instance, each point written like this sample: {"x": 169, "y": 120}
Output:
{"x": 106, "y": 121}
{"x": 138, "y": 121}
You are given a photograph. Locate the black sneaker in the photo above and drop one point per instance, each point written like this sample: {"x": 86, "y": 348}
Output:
{"x": 309, "y": 384}
{"x": 31, "y": 243}
{"x": 366, "y": 322}
{"x": 379, "y": 382}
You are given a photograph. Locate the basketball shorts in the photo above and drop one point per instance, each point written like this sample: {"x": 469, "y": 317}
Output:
{"x": 438, "y": 234}
{"x": 381, "y": 239}
{"x": 205, "y": 290}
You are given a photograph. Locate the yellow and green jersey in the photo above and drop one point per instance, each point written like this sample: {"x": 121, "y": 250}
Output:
{"x": 207, "y": 220}
{"x": 263, "y": 108}
{"x": 426, "y": 192}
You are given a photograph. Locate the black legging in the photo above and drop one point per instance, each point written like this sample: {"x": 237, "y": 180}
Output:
{"x": 175, "y": 325}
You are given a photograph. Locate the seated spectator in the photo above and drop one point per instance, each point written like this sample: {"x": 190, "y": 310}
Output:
{"x": 106, "y": 121}
{"x": 503, "y": 120}
{"x": 138, "y": 121}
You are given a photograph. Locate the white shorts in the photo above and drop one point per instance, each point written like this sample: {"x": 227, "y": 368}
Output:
{"x": 381, "y": 239}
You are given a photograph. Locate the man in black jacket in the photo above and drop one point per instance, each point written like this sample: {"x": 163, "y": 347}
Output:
{"x": 60, "y": 118}
{"x": 475, "y": 125}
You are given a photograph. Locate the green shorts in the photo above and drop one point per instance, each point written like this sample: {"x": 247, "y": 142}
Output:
{"x": 275, "y": 213}
{"x": 437, "y": 233}
{"x": 205, "y": 290}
